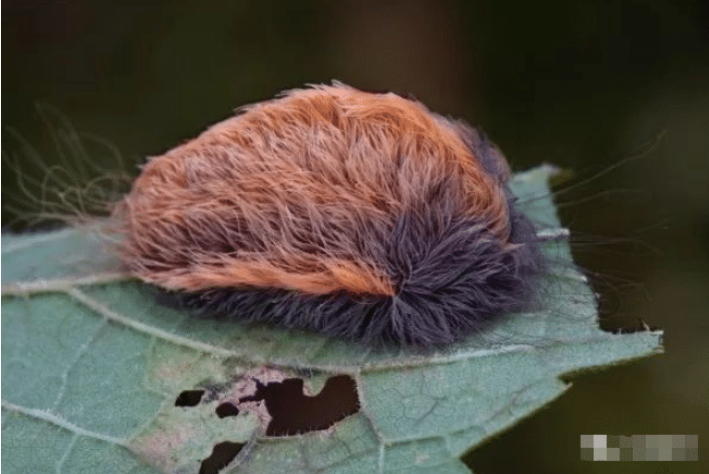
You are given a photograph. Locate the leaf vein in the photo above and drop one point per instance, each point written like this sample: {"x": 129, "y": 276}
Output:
{"x": 57, "y": 420}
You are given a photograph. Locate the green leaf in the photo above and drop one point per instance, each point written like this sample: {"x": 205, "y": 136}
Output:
{"x": 92, "y": 367}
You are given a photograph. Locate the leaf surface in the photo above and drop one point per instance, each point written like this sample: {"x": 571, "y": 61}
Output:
{"x": 93, "y": 365}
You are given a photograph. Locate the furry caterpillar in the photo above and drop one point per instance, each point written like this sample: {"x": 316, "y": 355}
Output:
{"x": 359, "y": 215}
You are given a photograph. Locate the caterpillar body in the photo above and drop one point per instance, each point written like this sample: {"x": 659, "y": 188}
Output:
{"x": 358, "y": 215}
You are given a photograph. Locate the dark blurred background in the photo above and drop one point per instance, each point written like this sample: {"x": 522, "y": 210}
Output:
{"x": 583, "y": 85}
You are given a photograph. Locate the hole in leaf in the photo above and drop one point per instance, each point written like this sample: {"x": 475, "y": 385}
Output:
{"x": 189, "y": 398}
{"x": 227, "y": 409}
{"x": 293, "y": 412}
{"x": 222, "y": 454}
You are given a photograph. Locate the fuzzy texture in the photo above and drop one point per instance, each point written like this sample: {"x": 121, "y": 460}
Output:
{"x": 362, "y": 216}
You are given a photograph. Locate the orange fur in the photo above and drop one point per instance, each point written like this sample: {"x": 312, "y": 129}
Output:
{"x": 279, "y": 195}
